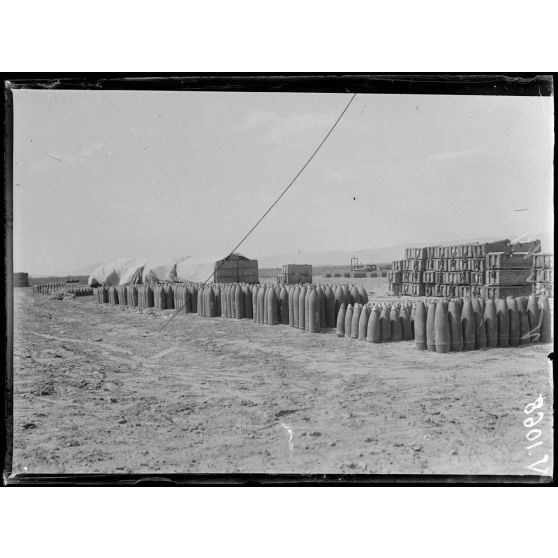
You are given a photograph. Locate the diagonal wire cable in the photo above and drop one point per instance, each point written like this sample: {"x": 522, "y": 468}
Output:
{"x": 271, "y": 206}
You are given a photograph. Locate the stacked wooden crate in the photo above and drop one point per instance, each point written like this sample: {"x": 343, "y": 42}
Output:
{"x": 532, "y": 246}
{"x": 395, "y": 277}
{"x": 450, "y": 271}
{"x": 236, "y": 268}
{"x": 21, "y": 279}
{"x": 543, "y": 274}
{"x": 414, "y": 266}
{"x": 508, "y": 274}
{"x": 293, "y": 274}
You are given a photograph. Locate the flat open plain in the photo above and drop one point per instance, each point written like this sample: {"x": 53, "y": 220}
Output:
{"x": 98, "y": 389}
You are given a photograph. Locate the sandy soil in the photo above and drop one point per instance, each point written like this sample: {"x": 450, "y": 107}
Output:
{"x": 99, "y": 389}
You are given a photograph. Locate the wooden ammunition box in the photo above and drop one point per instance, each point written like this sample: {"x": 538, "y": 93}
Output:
{"x": 395, "y": 288}
{"x": 395, "y": 277}
{"x": 412, "y": 276}
{"x": 544, "y": 289}
{"x": 236, "y": 271}
{"x": 467, "y": 251}
{"x": 456, "y": 277}
{"x": 414, "y": 265}
{"x": 484, "y": 248}
{"x": 544, "y": 275}
{"x": 417, "y": 289}
{"x": 418, "y": 265}
{"x": 21, "y": 279}
{"x": 471, "y": 264}
{"x": 450, "y": 291}
{"x": 434, "y": 290}
{"x": 543, "y": 260}
{"x": 293, "y": 274}
{"x": 477, "y": 278}
{"x": 503, "y": 260}
{"x": 453, "y": 251}
{"x": 503, "y": 291}
{"x": 507, "y": 276}
{"x": 397, "y": 265}
{"x": 432, "y": 277}
{"x": 532, "y": 247}
{"x": 412, "y": 289}
{"x": 476, "y": 290}
{"x": 463, "y": 277}
{"x": 415, "y": 253}
{"x": 448, "y": 278}
{"x": 450, "y": 264}
{"x": 463, "y": 291}
{"x": 436, "y": 264}
{"x": 431, "y": 251}
{"x": 477, "y": 264}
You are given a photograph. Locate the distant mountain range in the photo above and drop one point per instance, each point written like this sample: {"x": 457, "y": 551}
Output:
{"x": 343, "y": 257}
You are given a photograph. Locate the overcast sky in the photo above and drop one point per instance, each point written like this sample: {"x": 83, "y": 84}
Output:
{"x": 101, "y": 175}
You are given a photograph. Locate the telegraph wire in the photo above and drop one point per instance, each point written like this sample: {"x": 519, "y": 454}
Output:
{"x": 271, "y": 206}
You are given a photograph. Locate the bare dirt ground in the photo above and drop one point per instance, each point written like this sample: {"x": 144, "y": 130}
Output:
{"x": 98, "y": 389}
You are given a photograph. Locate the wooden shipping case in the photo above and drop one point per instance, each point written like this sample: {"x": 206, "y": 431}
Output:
{"x": 415, "y": 253}
{"x": 293, "y": 274}
{"x": 395, "y": 288}
{"x": 412, "y": 289}
{"x": 434, "y": 264}
{"x": 544, "y": 275}
{"x": 414, "y": 265}
{"x": 544, "y": 289}
{"x": 503, "y": 291}
{"x": 543, "y": 260}
{"x": 230, "y": 272}
{"x": 533, "y": 246}
{"x": 508, "y": 276}
{"x": 504, "y": 260}
{"x": 434, "y": 289}
{"x": 412, "y": 276}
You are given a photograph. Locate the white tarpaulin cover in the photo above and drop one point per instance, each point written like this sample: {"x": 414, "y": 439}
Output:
{"x": 110, "y": 273}
{"x": 135, "y": 270}
{"x": 195, "y": 269}
{"x": 134, "y": 273}
{"x": 156, "y": 270}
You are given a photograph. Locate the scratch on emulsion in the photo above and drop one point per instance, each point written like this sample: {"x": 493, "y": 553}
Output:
{"x": 290, "y": 440}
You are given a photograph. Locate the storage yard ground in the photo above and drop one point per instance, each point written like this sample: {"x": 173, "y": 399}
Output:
{"x": 97, "y": 389}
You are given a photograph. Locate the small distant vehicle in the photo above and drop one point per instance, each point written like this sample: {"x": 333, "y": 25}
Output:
{"x": 357, "y": 266}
